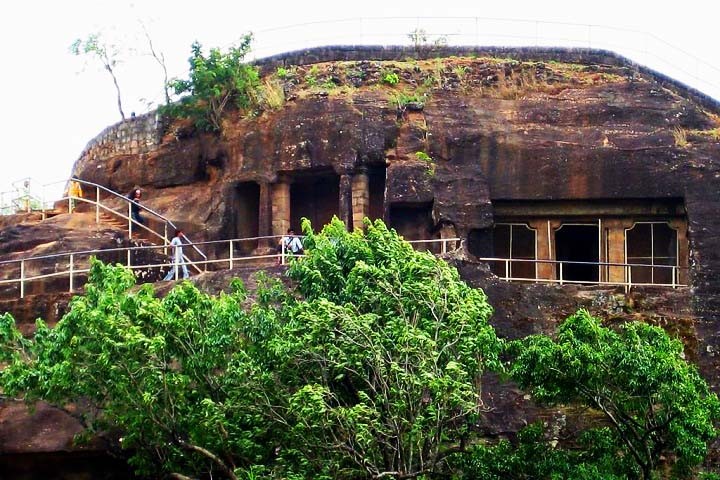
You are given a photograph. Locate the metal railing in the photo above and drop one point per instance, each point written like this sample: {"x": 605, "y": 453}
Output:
{"x": 560, "y": 274}
{"x": 642, "y": 47}
{"x": 75, "y": 265}
{"x": 41, "y": 205}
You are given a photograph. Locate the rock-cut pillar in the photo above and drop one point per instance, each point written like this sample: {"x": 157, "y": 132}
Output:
{"x": 344, "y": 209}
{"x": 280, "y": 207}
{"x": 265, "y": 212}
{"x": 360, "y": 199}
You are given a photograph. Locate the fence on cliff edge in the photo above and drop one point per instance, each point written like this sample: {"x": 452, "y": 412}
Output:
{"x": 644, "y": 48}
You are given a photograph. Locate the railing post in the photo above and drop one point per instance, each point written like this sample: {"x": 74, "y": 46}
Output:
{"x": 130, "y": 220}
{"x": 22, "y": 278}
{"x": 674, "y": 276}
{"x": 128, "y": 258}
{"x": 561, "y": 273}
{"x": 71, "y": 272}
{"x": 165, "y": 240}
{"x": 443, "y": 249}
{"x": 282, "y": 253}
{"x": 70, "y": 205}
{"x": 507, "y": 269}
{"x": 97, "y": 205}
{"x": 42, "y": 205}
{"x": 231, "y": 254}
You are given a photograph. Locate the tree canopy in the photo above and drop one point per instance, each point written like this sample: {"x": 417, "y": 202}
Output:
{"x": 655, "y": 402}
{"x": 107, "y": 53}
{"x": 367, "y": 361}
{"x": 216, "y": 81}
{"x": 369, "y": 366}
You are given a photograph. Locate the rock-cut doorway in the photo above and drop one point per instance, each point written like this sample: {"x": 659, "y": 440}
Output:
{"x": 577, "y": 243}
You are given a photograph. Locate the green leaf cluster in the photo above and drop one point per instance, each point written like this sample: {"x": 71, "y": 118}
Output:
{"x": 367, "y": 362}
{"x": 656, "y": 403}
{"x": 370, "y": 365}
{"x": 390, "y": 78}
{"x": 391, "y": 345}
{"x": 216, "y": 82}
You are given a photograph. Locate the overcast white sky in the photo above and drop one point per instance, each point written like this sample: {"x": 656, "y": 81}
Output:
{"x": 52, "y": 107}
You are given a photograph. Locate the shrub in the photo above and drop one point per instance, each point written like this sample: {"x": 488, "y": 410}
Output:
{"x": 390, "y": 78}
{"x": 216, "y": 81}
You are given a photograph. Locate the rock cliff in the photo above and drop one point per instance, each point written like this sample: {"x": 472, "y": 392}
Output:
{"x": 444, "y": 143}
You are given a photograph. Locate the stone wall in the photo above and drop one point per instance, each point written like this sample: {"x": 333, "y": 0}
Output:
{"x": 133, "y": 136}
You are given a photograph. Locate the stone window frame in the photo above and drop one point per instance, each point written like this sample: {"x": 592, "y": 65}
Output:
{"x": 676, "y": 271}
{"x": 510, "y": 256}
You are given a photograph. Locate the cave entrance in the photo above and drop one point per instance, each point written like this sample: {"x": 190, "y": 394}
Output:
{"x": 376, "y": 178}
{"x": 480, "y": 242}
{"x": 577, "y": 243}
{"x": 315, "y": 197}
{"x": 414, "y": 222}
{"x": 247, "y": 216}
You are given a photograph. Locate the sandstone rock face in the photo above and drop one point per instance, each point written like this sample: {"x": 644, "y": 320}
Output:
{"x": 453, "y": 140}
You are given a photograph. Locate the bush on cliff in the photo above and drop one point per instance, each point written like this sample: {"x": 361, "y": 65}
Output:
{"x": 216, "y": 81}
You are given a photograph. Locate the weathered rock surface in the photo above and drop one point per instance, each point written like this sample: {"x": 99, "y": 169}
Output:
{"x": 528, "y": 125}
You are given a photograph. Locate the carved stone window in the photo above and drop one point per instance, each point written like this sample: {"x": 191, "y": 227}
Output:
{"x": 514, "y": 241}
{"x": 654, "y": 244}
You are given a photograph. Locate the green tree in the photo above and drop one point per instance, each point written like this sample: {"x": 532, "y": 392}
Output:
{"x": 368, "y": 365}
{"x": 654, "y": 401}
{"x": 533, "y": 456}
{"x": 153, "y": 370}
{"x": 216, "y": 81}
{"x": 387, "y": 346}
{"x": 108, "y": 54}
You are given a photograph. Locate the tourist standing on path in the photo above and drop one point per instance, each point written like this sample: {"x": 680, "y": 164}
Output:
{"x": 290, "y": 244}
{"x": 134, "y": 198}
{"x": 177, "y": 258}
{"x": 74, "y": 192}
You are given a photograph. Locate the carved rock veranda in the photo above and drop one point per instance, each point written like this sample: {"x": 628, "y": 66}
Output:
{"x": 500, "y": 126}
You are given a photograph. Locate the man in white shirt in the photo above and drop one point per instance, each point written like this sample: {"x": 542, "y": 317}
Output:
{"x": 177, "y": 258}
{"x": 290, "y": 244}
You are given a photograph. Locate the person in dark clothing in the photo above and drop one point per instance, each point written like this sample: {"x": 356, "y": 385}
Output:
{"x": 134, "y": 198}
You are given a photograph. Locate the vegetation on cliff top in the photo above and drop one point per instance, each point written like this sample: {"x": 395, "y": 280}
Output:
{"x": 368, "y": 365}
{"x": 216, "y": 81}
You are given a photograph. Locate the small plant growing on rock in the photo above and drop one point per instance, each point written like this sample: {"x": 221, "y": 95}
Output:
{"x": 271, "y": 94}
{"x": 311, "y": 77}
{"x": 424, "y": 157}
{"x": 390, "y": 78}
{"x": 402, "y": 99}
{"x": 283, "y": 73}
{"x": 680, "y": 136}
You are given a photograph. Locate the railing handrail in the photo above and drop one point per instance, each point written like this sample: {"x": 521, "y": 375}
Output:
{"x": 125, "y": 198}
{"x": 144, "y": 207}
{"x": 72, "y": 270}
{"x": 283, "y": 254}
{"x": 576, "y": 262}
{"x": 271, "y": 237}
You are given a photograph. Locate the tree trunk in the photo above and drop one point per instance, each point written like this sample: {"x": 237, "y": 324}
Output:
{"x": 117, "y": 88}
